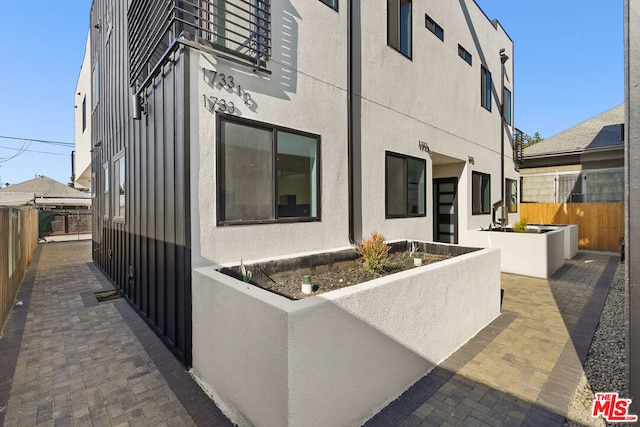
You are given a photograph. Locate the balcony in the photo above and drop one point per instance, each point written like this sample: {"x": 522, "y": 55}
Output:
{"x": 236, "y": 29}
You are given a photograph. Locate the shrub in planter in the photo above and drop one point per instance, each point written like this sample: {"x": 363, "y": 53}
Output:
{"x": 520, "y": 226}
{"x": 374, "y": 251}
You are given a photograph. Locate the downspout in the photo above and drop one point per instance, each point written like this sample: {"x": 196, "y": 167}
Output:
{"x": 504, "y": 217}
{"x": 350, "y": 120}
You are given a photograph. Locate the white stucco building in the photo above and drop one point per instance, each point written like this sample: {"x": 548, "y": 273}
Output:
{"x": 224, "y": 130}
{"x": 82, "y": 122}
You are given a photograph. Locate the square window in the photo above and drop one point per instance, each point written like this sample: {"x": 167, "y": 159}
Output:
{"x": 485, "y": 88}
{"x": 480, "y": 193}
{"x": 464, "y": 54}
{"x": 399, "y": 26}
{"x": 405, "y": 189}
{"x": 434, "y": 27}
{"x": 266, "y": 173}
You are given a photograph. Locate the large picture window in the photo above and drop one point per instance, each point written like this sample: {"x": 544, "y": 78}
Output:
{"x": 266, "y": 173}
{"x": 399, "y": 26}
{"x": 480, "y": 193}
{"x": 405, "y": 189}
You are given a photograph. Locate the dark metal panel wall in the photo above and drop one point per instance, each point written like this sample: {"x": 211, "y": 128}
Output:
{"x": 147, "y": 256}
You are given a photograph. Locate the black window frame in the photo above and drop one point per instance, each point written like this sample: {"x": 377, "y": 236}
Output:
{"x": 465, "y": 54}
{"x": 434, "y": 27}
{"x": 328, "y": 3}
{"x": 84, "y": 113}
{"x": 484, "y": 210}
{"x": 220, "y": 117}
{"x": 486, "y": 85}
{"x": 405, "y": 158}
{"x": 397, "y": 45}
{"x": 511, "y": 207}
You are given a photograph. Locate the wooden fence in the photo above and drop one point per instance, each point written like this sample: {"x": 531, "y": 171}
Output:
{"x": 18, "y": 242}
{"x": 600, "y": 225}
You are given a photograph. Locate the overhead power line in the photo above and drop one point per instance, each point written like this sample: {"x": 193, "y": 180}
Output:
{"x": 34, "y": 151}
{"x": 43, "y": 141}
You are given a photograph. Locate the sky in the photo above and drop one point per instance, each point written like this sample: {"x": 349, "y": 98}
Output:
{"x": 568, "y": 60}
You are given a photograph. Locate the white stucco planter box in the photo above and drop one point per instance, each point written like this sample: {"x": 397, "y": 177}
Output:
{"x": 529, "y": 254}
{"x": 337, "y": 358}
{"x": 570, "y": 236}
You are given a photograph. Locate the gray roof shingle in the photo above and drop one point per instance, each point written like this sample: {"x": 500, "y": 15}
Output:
{"x": 600, "y": 131}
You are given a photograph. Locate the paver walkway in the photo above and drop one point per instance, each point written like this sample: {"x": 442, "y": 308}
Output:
{"x": 66, "y": 359}
{"x": 524, "y": 368}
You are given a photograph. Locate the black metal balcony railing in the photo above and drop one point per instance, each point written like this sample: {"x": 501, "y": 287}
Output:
{"x": 518, "y": 149}
{"x": 237, "y": 28}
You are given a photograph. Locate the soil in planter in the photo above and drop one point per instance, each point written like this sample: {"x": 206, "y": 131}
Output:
{"x": 339, "y": 275}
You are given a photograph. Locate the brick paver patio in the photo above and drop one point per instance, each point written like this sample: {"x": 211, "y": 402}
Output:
{"x": 66, "y": 359}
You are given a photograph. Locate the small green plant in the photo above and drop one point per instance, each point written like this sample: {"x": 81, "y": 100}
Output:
{"x": 520, "y": 226}
{"x": 374, "y": 251}
{"x": 417, "y": 255}
{"x": 246, "y": 275}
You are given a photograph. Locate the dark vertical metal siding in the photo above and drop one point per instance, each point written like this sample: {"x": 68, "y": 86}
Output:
{"x": 153, "y": 243}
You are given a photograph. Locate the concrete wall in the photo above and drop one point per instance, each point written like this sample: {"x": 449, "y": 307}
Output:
{"x": 570, "y": 237}
{"x": 529, "y": 254}
{"x": 335, "y": 358}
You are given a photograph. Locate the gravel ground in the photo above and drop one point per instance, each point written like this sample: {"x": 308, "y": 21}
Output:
{"x": 605, "y": 369}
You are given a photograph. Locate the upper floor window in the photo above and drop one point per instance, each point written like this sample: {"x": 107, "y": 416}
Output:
{"x": 507, "y": 108}
{"x": 434, "y": 27}
{"x": 84, "y": 113}
{"x": 266, "y": 173}
{"x": 405, "y": 189}
{"x": 485, "y": 88}
{"x": 399, "y": 26}
{"x": 464, "y": 54}
{"x": 331, "y": 3}
{"x": 480, "y": 193}
{"x": 95, "y": 92}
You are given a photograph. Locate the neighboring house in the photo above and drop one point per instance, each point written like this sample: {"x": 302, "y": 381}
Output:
{"x": 582, "y": 164}
{"x": 83, "y": 122}
{"x": 63, "y": 210}
{"x": 255, "y": 129}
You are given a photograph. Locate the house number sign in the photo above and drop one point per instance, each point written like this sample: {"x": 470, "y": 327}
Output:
{"x": 231, "y": 85}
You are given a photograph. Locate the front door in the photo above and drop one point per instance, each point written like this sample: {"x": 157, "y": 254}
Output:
{"x": 445, "y": 205}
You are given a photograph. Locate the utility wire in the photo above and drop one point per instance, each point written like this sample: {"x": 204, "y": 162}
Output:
{"x": 43, "y": 141}
{"x": 34, "y": 151}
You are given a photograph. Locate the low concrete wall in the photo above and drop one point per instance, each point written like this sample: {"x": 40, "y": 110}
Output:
{"x": 529, "y": 254}
{"x": 570, "y": 237}
{"x": 336, "y": 358}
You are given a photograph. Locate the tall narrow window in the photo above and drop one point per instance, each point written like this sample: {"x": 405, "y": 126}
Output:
{"x": 480, "y": 193}
{"x": 512, "y": 196}
{"x": 84, "y": 113}
{"x": 485, "y": 88}
{"x": 405, "y": 189}
{"x": 95, "y": 93}
{"x": 434, "y": 27}
{"x": 106, "y": 189}
{"x": 507, "y": 108}
{"x": 266, "y": 173}
{"x": 119, "y": 174}
{"x": 399, "y": 26}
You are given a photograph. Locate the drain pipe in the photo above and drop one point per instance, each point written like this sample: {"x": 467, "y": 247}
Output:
{"x": 350, "y": 121}
{"x": 504, "y": 218}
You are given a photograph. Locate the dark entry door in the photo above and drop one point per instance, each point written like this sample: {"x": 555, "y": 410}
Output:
{"x": 445, "y": 205}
